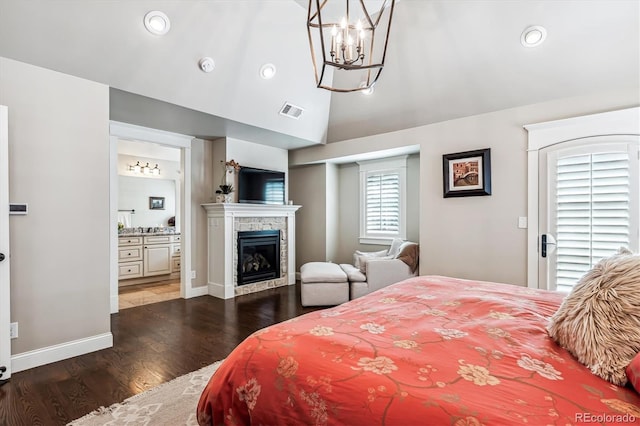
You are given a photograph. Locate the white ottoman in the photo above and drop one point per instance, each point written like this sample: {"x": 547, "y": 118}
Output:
{"x": 323, "y": 284}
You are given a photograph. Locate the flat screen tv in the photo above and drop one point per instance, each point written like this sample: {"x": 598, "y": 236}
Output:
{"x": 258, "y": 186}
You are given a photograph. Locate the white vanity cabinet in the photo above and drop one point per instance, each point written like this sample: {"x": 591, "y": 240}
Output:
{"x": 175, "y": 254}
{"x": 130, "y": 256}
{"x": 157, "y": 255}
{"x": 147, "y": 256}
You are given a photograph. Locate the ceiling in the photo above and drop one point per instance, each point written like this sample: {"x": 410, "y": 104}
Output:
{"x": 446, "y": 59}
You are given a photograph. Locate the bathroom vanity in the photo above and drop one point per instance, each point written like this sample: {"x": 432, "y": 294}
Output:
{"x": 147, "y": 257}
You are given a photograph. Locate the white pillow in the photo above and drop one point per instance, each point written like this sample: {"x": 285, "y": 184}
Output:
{"x": 394, "y": 249}
{"x": 358, "y": 253}
{"x": 364, "y": 261}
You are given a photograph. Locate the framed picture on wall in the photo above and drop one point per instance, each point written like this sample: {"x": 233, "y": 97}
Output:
{"x": 156, "y": 203}
{"x": 467, "y": 173}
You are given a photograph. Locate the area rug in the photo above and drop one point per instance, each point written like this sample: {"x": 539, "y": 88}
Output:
{"x": 171, "y": 403}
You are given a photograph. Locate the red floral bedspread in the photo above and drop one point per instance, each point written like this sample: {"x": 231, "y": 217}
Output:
{"x": 429, "y": 350}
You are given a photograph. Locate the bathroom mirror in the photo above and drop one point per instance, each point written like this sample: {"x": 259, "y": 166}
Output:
{"x": 134, "y": 193}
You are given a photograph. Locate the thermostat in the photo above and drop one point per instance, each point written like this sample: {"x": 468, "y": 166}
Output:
{"x": 18, "y": 208}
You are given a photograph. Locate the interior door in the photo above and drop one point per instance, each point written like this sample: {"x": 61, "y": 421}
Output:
{"x": 588, "y": 206}
{"x": 5, "y": 305}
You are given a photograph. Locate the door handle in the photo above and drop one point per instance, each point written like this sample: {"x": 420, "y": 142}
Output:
{"x": 547, "y": 240}
{"x": 1, "y": 257}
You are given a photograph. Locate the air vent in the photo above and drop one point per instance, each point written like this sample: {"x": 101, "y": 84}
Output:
{"x": 291, "y": 111}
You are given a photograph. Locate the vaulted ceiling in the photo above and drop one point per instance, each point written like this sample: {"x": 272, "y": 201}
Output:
{"x": 446, "y": 59}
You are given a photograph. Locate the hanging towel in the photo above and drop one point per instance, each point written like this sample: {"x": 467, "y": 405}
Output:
{"x": 125, "y": 219}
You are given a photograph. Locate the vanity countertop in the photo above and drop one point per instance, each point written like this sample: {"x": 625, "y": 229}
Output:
{"x": 146, "y": 234}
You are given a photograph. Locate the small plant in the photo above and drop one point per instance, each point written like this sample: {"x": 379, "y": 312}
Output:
{"x": 226, "y": 189}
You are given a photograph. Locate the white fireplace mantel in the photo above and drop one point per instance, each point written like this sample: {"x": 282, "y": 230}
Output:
{"x": 221, "y": 219}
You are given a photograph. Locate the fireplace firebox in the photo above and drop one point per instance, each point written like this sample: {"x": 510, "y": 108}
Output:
{"x": 258, "y": 256}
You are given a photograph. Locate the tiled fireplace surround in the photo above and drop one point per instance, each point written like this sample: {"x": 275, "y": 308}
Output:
{"x": 224, "y": 221}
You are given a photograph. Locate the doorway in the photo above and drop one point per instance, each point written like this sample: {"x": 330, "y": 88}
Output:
{"x": 166, "y": 243}
{"x": 588, "y": 142}
{"x": 588, "y": 206}
{"x": 149, "y": 255}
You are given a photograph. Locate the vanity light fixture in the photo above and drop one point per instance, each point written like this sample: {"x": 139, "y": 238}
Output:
{"x": 146, "y": 170}
{"x": 157, "y": 22}
{"x": 267, "y": 71}
{"x": 533, "y": 36}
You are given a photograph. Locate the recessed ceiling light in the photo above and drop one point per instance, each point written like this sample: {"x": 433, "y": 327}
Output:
{"x": 206, "y": 64}
{"x": 267, "y": 71}
{"x": 533, "y": 36}
{"x": 157, "y": 22}
{"x": 367, "y": 91}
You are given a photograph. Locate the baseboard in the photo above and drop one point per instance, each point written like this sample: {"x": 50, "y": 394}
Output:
{"x": 115, "y": 307}
{"x": 38, "y": 357}
{"x": 197, "y": 291}
{"x": 218, "y": 290}
{"x": 298, "y": 276}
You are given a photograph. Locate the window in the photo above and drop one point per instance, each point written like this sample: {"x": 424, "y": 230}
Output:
{"x": 382, "y": 200}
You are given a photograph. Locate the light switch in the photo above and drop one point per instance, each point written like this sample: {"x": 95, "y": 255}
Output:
{"x": 18, "y": 208}
{"x": 522, "y": 222}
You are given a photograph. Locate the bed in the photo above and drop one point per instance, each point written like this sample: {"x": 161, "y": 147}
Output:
{"x": 428, "y": 350}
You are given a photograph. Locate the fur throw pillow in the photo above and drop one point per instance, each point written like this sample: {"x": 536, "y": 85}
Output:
{"x": 599, "y": 321}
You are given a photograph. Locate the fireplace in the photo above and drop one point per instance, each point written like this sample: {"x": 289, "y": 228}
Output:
{"x": 258, "y": 256}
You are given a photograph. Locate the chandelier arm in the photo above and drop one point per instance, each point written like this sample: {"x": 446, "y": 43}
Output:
{"x": 313, "y": 54}
{"x": 366, "y": 14}
{"x": 353, "y": 67}
{"x": 318, "y": 10}
{"x": 386, "y": 41}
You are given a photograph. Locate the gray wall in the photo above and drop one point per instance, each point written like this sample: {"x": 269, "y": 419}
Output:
{"x": 307, "y": 187}
{"x": 327, "y": 225}
{"x": 59, "y": 165}
{"x": 203, "y": 180}
{"x": 472, "y": 237}
{"x": 349, "y": 209}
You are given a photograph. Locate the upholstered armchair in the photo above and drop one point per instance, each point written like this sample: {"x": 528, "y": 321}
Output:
{"x": 373, "y": 271}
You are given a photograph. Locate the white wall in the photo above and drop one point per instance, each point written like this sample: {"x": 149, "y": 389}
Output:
{"x": 249, "y": 154}
{"x": 472, "y": 237}
{"x": 169, "y": 170}
{"x": 134, "y": 193}
{"x": 59, "y": 165}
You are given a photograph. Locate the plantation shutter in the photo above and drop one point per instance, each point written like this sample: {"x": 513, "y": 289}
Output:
{"x": 593, "y": 205}
{"x": 383, "y": 202}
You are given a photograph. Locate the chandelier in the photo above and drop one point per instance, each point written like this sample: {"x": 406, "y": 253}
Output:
{"x": 348, "y": 40}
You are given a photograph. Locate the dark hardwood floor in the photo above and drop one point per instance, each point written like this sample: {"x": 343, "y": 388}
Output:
{"x": 152, "y": 345}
